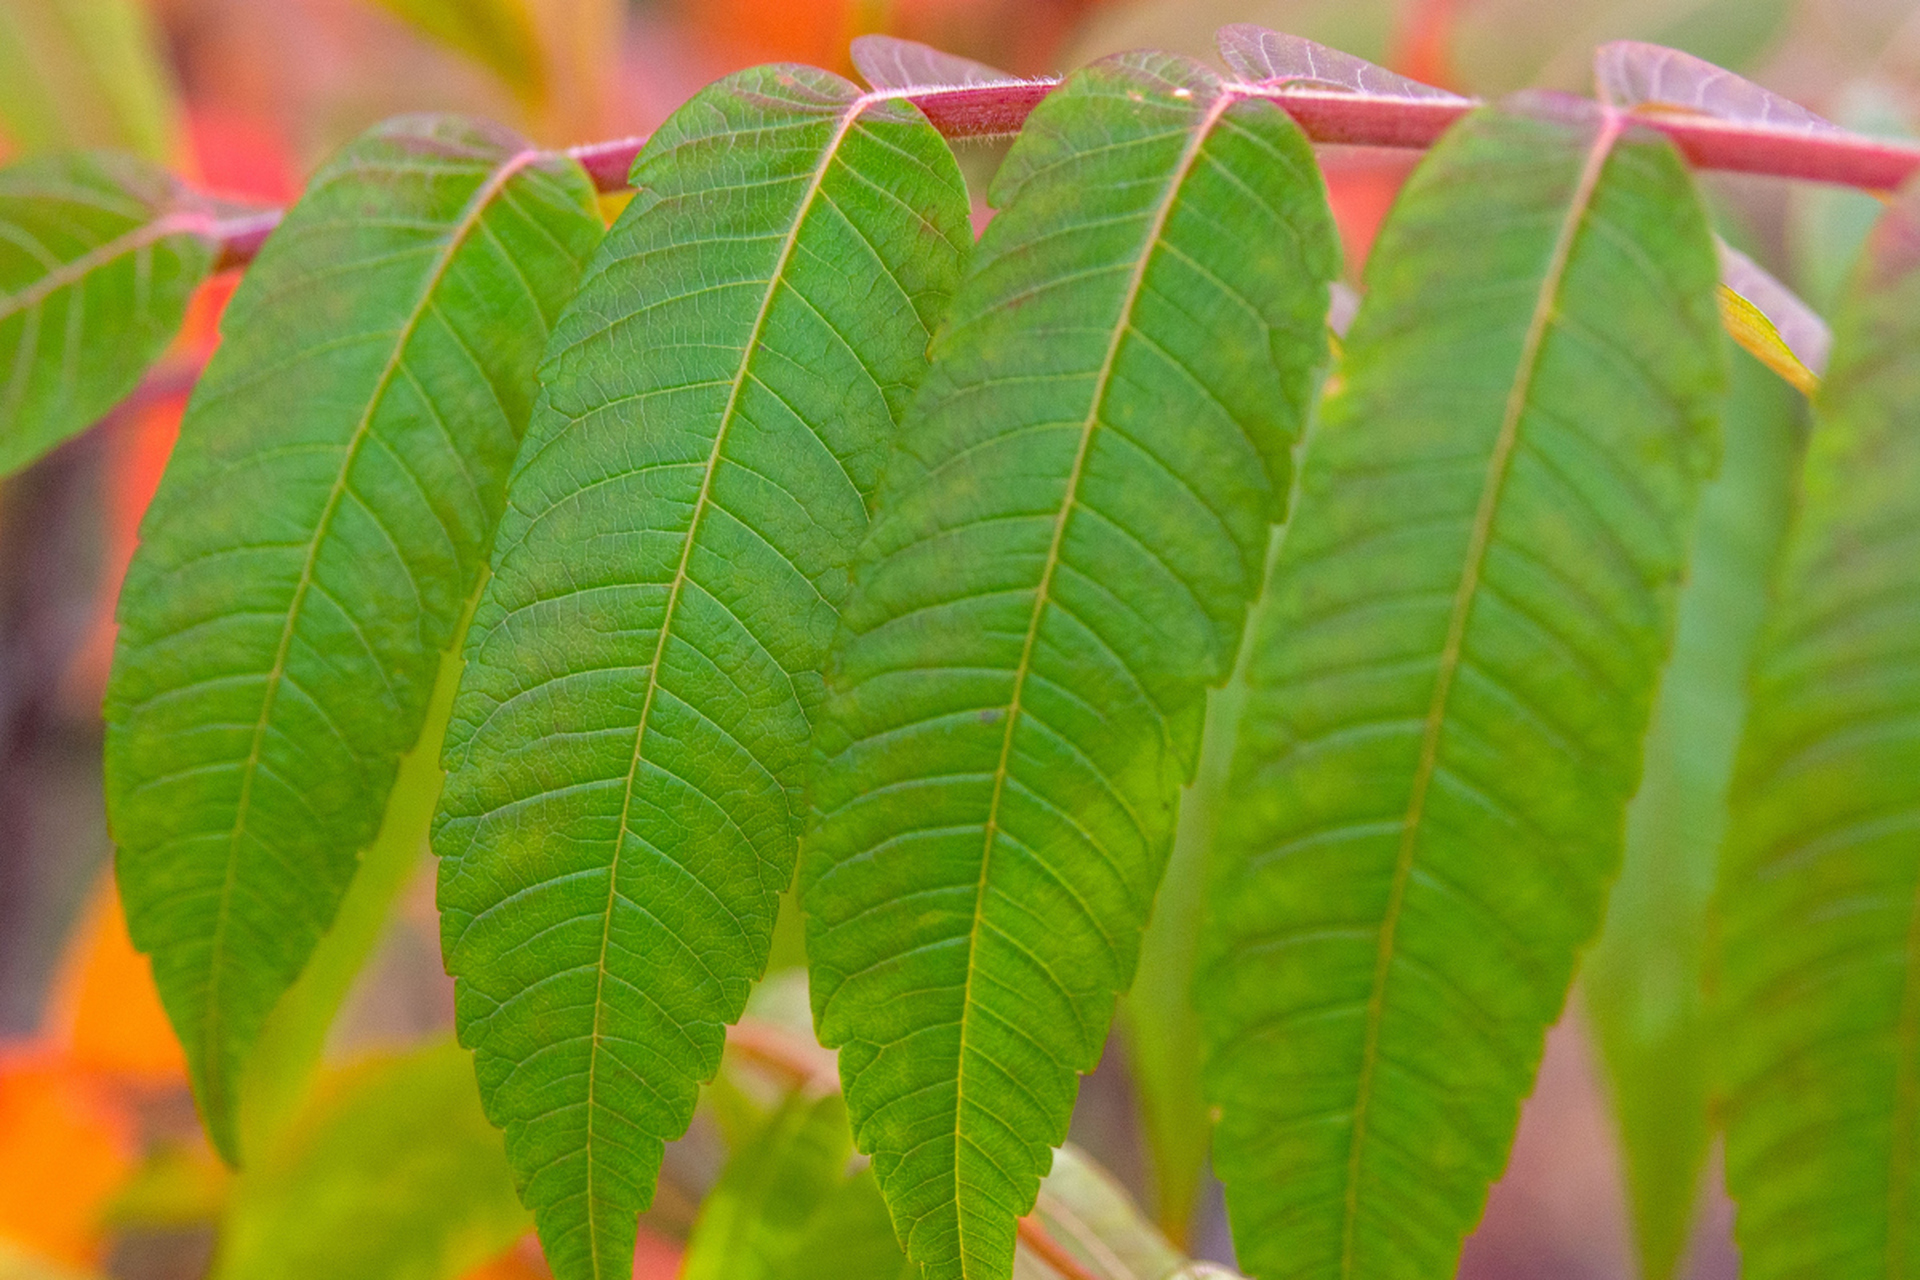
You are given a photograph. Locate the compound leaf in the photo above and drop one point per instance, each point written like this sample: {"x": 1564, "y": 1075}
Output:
{"x": 631, "y": 738}
{"x": 99, "y": 255}
{"x": 1644, "y": 979}
{"x": 1068, "y": 537}
{"x": 1819, "y": 958}
{"x": 1455, "y": 666}
{"x": 311, "y": 550}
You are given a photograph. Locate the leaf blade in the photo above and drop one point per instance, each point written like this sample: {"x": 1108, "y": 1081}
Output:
{"x": 316, "y": 536}
{"x": 1644, "y": 980}
{"x": 1375, "y": 995}
{"x": 989, "y": 622}
{"x": 755, "y": 322}
{"x": 82, "y": 233}
{"x": 888, "y": 62}
{"x": 1816, "y": 949}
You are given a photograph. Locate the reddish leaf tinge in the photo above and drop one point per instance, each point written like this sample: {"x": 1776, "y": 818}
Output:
{"x": 887, "y": 62}
{"x": 1272, "y": 58}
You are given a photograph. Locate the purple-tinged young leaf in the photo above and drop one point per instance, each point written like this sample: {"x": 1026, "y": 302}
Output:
{"x": 1262, "y": 55}
{"x": 1629, "y": 74}
{"x": 888, "y": 62}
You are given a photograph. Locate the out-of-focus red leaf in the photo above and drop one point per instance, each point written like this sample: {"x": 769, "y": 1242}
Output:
{"x": 65, "y": 1144}
{"x": 521, "y": 1262}
{"x": 1361, "y": 187}
{"x": 240, "y": 157}
{"x": 812, "y": 31}
{"x": 655, "y": 1257}
{"x": 106, "y": 1007}
{"x": 1423, "y": 43}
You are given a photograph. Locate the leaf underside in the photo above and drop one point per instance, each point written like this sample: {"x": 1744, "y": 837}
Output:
{"x": 320, "y": 528}
{"x": 1065, "y": 546}
{"x": 1454, "y": 669}
{"x": 1643, "y": 980}
{"x": 99, "y": 255}
{"x": 1819, "y": 956}
{"x": 630, "y": 743}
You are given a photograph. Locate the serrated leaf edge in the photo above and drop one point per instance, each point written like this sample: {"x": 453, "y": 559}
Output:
{"x": 702, "y": 501}
{"x": 1612, "y": 125}
{"x": 221, "y": 1100}
{"x": 1226, "y": 97}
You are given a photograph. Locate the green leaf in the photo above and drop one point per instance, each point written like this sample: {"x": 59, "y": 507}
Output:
{"x": 321, "y": 526}
{"x": 85, "y": 73}
{"x": 786, "y": 1201}
{"x": 1819, "y": 958}
{"x": 1069, "y": 534}
{"x": 99, "y": 256}
{"x": 1161, "y": 1025}
{"x": 497, "y": 34}
{"x": 1643, "y": 980}
{"x": 280, "y": 1071}
{"x": 392, "y": 1174}
{"x": 631, "y": 738}
{"x": 1455, "y": 667}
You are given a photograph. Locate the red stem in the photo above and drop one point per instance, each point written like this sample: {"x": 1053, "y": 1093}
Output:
{"x": 240, "y": 238}
{"x": 1332, "y": 116}
{"x": 1034, "y": 1234}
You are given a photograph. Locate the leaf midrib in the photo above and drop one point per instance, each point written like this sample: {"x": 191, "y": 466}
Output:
{"x": 74, "y": 270}
{"x": 1479, "y": 541}
{"x": 1156, "y": 230}
{"x": 461, "y": 229}
{"x": 802, "y": 211}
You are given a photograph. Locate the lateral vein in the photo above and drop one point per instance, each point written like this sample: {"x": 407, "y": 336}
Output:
{"x": 1156, "y": 230}
{"x": 702, "y": 502}
{"x": 469, "y": 218}
{"x": 1479, "y": 540}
